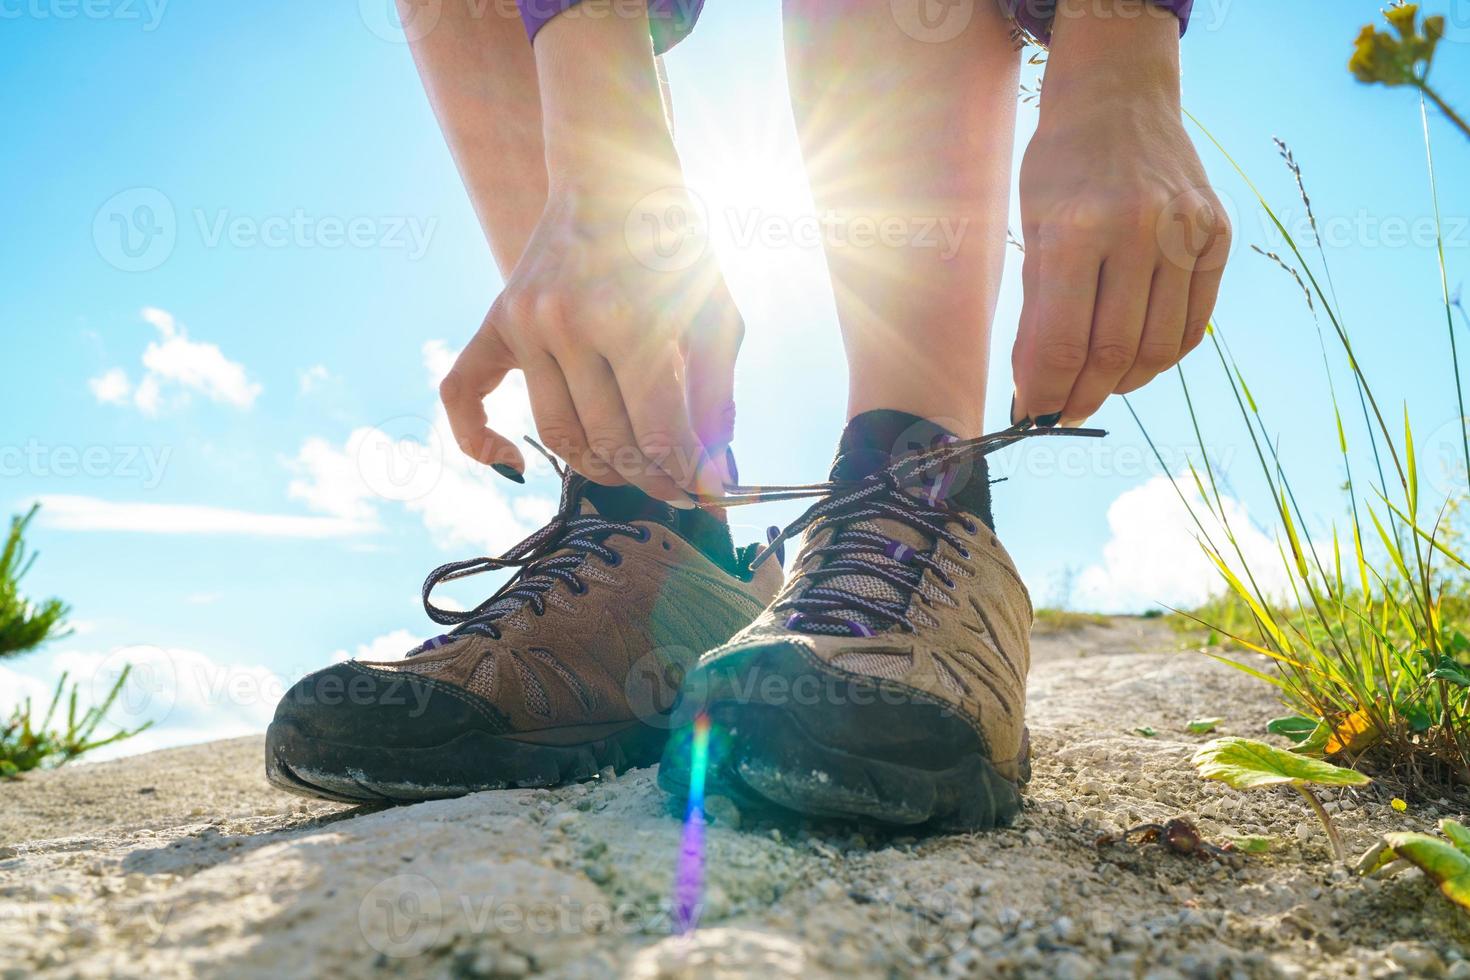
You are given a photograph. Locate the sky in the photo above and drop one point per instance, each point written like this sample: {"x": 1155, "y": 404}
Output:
{"x": 239, "y": 259}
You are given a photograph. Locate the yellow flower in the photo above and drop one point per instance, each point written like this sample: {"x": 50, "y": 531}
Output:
{"x": 1398, "y": 804}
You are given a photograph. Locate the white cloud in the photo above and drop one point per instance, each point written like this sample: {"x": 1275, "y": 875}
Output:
{"x": 418, "y": 467}
{"x": 313, "y": 376}
{"x": 389, "y": 646}
{"x": 187, "y": 695}
{"x": 1153, "y": 557}
{"x": 177, "y": 366}
{"x": 112, "y": 387}
{"x": 78, "y": 513}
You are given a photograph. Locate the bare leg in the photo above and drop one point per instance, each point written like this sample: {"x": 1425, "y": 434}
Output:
{"x": 480, "y": 75}
{"x": 908, "y": 147}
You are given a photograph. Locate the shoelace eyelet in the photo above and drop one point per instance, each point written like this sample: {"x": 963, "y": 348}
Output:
{"x": 964, "y": 552}
{"x": 614, "y": 561}
{"x": 643, "y": 534}
{"x": 970, "y": 527}
{"x": 578, "y": 588}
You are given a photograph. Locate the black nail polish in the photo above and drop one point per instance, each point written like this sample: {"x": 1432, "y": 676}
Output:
{"x": 730, "y": 464}
{"x": 508, "y": 471}
{"x": 1047, "y": 421}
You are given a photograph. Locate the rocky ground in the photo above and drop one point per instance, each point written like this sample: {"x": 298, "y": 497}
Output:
{"x": 185, "y": 862}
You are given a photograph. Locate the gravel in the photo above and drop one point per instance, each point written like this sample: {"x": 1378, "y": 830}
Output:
{"x": 185, "y": 863}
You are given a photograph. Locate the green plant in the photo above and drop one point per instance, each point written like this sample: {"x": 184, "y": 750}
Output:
{"x": 23, "y": 624}
{"x": 1385, "y": 59}
{"x": 1445, "y": 862}
{"x": 1243, "y": 764}
{"x": 1364, "y": 646}
{"x": 26, "y": 744}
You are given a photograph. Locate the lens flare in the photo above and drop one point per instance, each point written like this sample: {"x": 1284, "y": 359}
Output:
{"x": 689, "y": 876}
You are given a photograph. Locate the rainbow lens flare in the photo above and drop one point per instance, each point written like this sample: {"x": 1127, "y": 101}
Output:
{"x": 689, "y": 875}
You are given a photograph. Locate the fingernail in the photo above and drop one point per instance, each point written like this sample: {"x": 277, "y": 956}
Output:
{"x": 1049, "y": 420}
{"x": 731, "y": 470}
{"x": 683, "y": 504}
{"x": 708, "y": 480}
{"x": 508, "y": 471}
{"x": 1014, "y": 419}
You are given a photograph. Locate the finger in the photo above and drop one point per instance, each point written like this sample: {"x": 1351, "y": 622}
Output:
{"x": 1163, "y": 330}
{"x": 609, "y": 430}
{"x": 653, "y": 393}
{"x": 1204, "y": 287}
{"x": 711, "y": 347}
{"x": 557, "y": 423}
{"x": 1117, "y": 325}
{"x": 478, "y": 371}
{"x": 1054, "y": 349}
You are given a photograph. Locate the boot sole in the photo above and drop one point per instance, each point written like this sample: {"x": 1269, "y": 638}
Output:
{"x": 469, "y": 763}
{"x": 916, "y": 766}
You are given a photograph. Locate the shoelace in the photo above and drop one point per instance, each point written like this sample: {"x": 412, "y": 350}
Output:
{"x": 551, "y": 555}
{"x": 853, "y": 553}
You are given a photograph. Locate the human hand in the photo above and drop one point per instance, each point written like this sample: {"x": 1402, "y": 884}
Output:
{"x": 629, "y": 365}
{"x": 1125, "y": 241}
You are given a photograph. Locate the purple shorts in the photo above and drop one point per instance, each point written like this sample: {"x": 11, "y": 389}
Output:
{"x": 670, "y": 21}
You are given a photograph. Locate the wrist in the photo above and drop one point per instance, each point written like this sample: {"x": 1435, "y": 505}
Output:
{"x": 1106, "y": 50}
{"x": 601, "y": 103}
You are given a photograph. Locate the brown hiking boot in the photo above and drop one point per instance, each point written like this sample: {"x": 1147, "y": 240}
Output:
{"x": 571, "y": 666}
{"x": 887, "y": 681}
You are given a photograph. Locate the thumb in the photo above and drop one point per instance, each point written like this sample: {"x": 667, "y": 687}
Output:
{"x": 710, "y": 350}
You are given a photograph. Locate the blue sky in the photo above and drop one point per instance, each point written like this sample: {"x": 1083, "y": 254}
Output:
{"x": 211, "y": 414}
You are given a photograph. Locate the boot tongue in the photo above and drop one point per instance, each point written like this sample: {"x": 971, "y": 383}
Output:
{"x": 627, "y": 504}
{"x": 872, "y": 441}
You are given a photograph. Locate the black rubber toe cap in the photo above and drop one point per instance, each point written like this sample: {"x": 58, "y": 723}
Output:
{"x": 349, "y": 703}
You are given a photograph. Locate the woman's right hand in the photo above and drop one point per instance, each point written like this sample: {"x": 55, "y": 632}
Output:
{"x": 629, "y": 363}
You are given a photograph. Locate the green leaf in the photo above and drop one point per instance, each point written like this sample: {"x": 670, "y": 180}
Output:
{"x": 1203, "y": 726}
{"x": 1418, "y": 717}
{"x": 1446, "y": 865}
{"x": 1295, "y": 727}
{"x": 1246, "y": 764}
{"x": 1447, "y": 669}
{"x": 1252, "y": 843}
{"x": 1458, "y": 834}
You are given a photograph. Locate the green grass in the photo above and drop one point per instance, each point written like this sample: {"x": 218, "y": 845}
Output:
{"x": 1370, "y": 641}
{"x": 27, "y": 744}
{"x": 1048, "y": 621}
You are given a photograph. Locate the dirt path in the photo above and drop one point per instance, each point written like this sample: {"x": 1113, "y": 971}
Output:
{"x": 184, "y": 862}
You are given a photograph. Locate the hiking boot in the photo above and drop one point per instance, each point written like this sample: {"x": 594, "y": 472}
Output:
{"x": 571, "y": 666}
{"x": 887, "y": 680}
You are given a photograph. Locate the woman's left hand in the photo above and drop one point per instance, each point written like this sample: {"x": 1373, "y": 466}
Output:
{"x": 1125, "y": 240}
